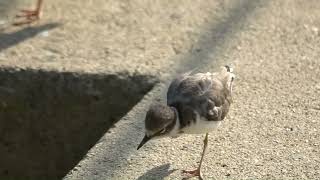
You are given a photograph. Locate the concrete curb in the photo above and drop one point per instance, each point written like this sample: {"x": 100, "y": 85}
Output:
{"x": 117, "y": 144}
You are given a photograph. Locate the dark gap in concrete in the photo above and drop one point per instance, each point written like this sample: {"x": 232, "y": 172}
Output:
{"x": 49, "y": 120}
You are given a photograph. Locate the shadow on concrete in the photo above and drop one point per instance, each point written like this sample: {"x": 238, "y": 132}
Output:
{"x": 216, "y": 35}
{"x": 49, "y": 120}
{"x": 10, "y": 39}
{"x": 159, "y": 172}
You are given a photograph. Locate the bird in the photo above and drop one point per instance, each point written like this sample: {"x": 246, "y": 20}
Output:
{"x": 30, "y": 16}
{"x": 196, "y": 104}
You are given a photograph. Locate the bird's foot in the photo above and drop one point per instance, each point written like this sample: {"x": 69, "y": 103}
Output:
{"x": 191, "y": 174}
{"x": 29, "y": 16}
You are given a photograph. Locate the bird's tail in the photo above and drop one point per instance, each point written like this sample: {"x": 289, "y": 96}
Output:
{"x": 228, "y": 77}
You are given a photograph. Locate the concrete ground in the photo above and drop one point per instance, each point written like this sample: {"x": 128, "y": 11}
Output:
{"x": 272, "y": 130}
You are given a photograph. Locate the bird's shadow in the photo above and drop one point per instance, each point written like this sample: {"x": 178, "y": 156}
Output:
{"x": 9, "y": 39}
{"x": 159, "y": 172}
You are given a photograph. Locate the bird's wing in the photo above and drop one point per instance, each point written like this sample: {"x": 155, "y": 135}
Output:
{"x": 208, "y": 93}
{"x": 187, "y": 87}
{"x": 173, "y": 92}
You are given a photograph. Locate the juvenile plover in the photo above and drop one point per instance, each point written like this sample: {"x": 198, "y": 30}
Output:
{"x": 195, "y": 104}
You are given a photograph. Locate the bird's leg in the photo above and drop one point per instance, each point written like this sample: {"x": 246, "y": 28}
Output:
{"x": 30, "y": 15}
{"x": 197, "y": 172}
{"x": 205, "y": 144}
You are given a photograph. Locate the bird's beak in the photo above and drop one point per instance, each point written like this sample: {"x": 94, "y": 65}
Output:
{"x": 144, "y": 140}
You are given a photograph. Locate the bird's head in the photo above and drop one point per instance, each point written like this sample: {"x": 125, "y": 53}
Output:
{"x": 160, "y": 120}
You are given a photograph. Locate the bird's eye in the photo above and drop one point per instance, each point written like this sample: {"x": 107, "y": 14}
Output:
{"x": 163, "y": 130}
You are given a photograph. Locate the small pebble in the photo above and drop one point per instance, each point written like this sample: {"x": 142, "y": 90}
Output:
{"x": 315, "y": 30}
{"x": 289, "y": 128}
{"x": 44, "y": 34}
{"x": 2, "y": 22}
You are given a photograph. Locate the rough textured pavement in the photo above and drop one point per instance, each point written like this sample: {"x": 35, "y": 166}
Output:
{"x": 272, "y": 130}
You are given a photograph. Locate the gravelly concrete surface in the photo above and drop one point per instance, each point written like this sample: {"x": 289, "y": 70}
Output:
{"x": 272, "y": 130}
{"x": 97, "y": 36}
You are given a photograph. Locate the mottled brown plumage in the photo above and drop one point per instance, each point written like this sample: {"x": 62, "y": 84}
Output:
{"x": 207, "y": 94}
{"x": 196, "y": 103}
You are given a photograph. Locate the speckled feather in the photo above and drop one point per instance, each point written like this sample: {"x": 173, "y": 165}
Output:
{"x": 202, "y": 100}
